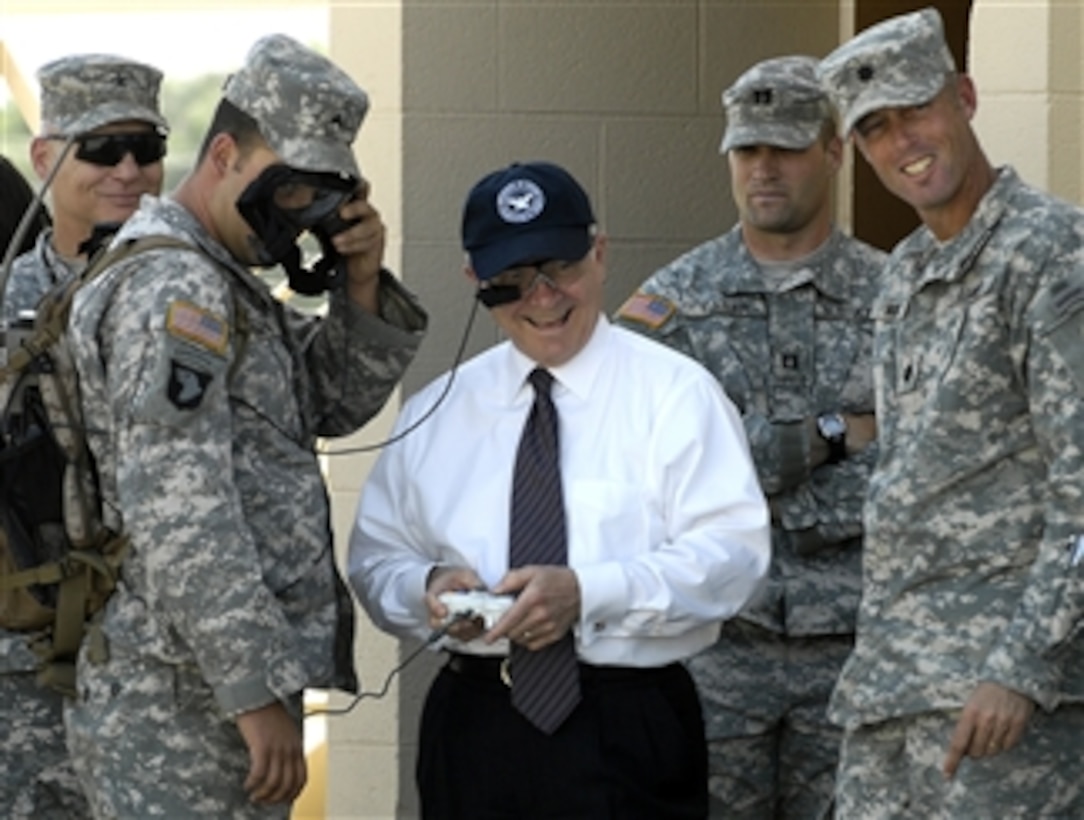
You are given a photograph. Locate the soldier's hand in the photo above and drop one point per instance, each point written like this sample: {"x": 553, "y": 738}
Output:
{"x": 362, "y": 246}
{"x": 276, "y": 751}
{"x": 993, "y": 721}
{"x": 861, "y": 431}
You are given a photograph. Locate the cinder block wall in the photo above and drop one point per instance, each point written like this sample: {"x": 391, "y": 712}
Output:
{"x": 1031, "y": 105}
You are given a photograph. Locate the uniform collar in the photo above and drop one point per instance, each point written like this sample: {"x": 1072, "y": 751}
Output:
{"x": 820, "y": 270}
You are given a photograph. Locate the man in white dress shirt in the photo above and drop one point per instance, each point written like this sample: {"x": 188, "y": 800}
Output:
{"x": 664, "y": 530}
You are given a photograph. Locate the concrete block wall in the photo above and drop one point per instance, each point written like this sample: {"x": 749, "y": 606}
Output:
{"x": 1028, "y": 62}
{"x": 625, "y": 94}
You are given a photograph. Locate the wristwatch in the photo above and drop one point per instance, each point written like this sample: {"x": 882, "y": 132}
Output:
{"x": 833, "y": 429}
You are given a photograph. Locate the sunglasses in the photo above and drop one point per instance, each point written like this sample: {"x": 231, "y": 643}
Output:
{"x": 107, "y": 150}
{"x": 557, "y": 273}
{"x": 520, "y": 282}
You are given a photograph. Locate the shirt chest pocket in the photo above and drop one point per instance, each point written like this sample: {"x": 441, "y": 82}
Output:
{"x": 607, "y": 520}
{"x": 936, "y": 352}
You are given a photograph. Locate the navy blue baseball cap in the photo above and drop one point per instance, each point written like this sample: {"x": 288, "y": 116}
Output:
{"x": 529, "y": 212}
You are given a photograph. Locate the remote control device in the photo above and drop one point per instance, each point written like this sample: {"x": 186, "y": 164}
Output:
{"x": 476, "y": 604}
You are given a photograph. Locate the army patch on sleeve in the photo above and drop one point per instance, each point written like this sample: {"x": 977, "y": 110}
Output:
{"x": 1060, "y": 318}
{"x": 187, "y": 385}
{"x": 201, "y": 327}
{"x": 647, "y": 309}
{"x": 1066, "y": 300}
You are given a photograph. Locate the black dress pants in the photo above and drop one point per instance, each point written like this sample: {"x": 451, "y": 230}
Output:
{"x": 634, "y": 748}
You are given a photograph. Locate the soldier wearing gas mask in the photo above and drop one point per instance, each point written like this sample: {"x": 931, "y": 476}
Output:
{"x": 203, "y": 397}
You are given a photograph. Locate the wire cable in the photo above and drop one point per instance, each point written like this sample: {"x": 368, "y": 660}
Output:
{"x": 378, "y": 694}
{"x": 346, "y": 451}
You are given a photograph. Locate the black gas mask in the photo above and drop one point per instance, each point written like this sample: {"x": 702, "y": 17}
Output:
{"x": 282, "y": 203}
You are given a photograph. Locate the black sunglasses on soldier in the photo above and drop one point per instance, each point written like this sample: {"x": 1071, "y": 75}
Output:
{"x": 107, "y": 150}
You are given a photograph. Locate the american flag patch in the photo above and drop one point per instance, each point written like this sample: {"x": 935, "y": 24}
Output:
{"x": 194, "y": 324}
{"x": 648, "y": 309}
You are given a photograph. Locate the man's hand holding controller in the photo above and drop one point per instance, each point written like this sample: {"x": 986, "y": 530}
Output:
{"x": 475, "y": 604}
{"x": 532, "y": 606}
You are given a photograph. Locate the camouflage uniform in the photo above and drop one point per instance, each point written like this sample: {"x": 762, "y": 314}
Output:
{"x": 78, "y": 93}
{"x": 975, "y": 514}
{"x": 783, "y": 353}
{"x": 204, "y": 396}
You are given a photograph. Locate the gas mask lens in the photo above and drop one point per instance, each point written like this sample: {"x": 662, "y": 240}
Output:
{"x": 306, "y": 204}
{"x": 283, "y": 202}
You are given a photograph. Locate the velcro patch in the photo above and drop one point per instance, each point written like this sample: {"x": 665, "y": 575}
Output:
{"x": 197, "y": 325}
{"x": 647, "y": 309}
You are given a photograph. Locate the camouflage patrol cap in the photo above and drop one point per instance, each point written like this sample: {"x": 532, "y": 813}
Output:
{"x": 82, "y": 92}
{"x": 776, "y": 102}
{"x": 306, "y": 107}
{"x": 899, "y": 62}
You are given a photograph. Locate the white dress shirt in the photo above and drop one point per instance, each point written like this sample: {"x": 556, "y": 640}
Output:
{"x": 667, "y": 527}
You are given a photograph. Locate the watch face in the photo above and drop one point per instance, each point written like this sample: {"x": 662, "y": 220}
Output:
{"x": 832, "y": 425}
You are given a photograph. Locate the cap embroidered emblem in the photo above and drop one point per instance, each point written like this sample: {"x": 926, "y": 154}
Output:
{"x": 521, "y": 200}
{"x": 865, "y": 73}
{"x": 762, "y": 96}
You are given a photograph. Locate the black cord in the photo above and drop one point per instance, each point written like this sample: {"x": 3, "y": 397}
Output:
{"x": 358, "y": 698}
{"x": 432, "y": 409}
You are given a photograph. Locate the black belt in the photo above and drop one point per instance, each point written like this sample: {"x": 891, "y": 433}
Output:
{"x": 495, "y": 667}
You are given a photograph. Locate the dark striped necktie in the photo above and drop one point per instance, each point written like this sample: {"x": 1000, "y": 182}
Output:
{"x": 546, "y": 683}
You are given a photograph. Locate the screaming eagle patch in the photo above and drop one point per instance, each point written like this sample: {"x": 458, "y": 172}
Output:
{"x": 187, "y": 385}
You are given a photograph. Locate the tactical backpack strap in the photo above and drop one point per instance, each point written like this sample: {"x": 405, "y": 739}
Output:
{"x": 85, "y": 576}
{"x": 88, "y": 575}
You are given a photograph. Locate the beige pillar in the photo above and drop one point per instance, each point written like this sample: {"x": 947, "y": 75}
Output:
{"x": 1028, "y": 61}
{"x": 364, "y": 755}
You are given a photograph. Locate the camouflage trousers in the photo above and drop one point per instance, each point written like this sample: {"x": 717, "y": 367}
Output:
{"x": 36, "y": 778}
{"x": 149, "y": 740}
{"x": 892, "y": 771}
{"x": 772, "y": 752}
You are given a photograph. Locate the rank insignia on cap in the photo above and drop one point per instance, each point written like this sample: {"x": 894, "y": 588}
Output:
{"x": 865, "y": 73}
{"x": 647, "y": 309}
{"x": 762, "y": 96}
{"x": 197, "y": 325}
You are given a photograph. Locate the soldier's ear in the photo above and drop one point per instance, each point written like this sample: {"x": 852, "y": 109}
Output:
{"x": 833, "y": 149}
{"x": 221, "y": 152}
{"x": 42, "y": 153}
